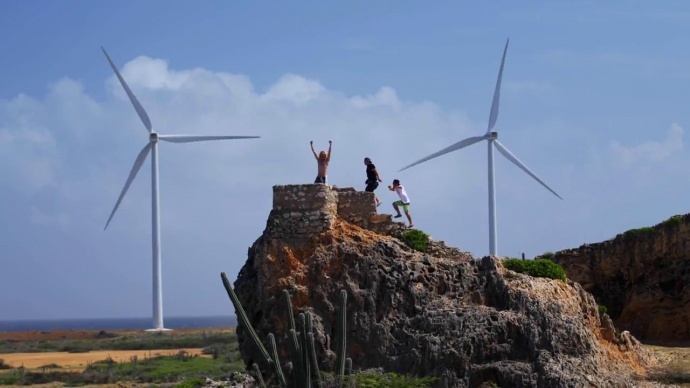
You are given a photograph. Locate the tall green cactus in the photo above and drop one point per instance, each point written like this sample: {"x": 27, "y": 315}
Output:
{"x": 302, "y": 379}
{"x": 313, "y": 359}
{"x": 302, "y": 346}
{"x": 340, "y": 336}
{"x": 252, "y": 334}
{"x": 291, "y": 315}
{"x": 278, "y": 369}
{"x": 262, "y": 383}
{"x": 243, "y": 317}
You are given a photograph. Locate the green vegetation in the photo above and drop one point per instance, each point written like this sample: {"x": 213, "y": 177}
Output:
{"x": 370, "y": 379}
{"x": 602, "y": 309}
{"x": 163, "y": 369}
{"x": 125, "y": 341}
{"x": 547, "y": 256}
{"x": 637, "y": 233}
{"x": 302, "y": 347}
{"x": 416, "y": 239}
{"x": 538, "y": 268}
{"x": 3, "y": 365}
{"x": 672, "y": 221}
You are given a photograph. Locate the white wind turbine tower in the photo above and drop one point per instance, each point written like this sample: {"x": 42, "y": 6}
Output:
{"x": 152, "y": 145}
{"x": 492, "y": 140}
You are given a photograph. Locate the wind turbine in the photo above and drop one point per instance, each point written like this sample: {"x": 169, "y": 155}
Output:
{"x": 152, "y": 146}
{"x": 492, "y": 140}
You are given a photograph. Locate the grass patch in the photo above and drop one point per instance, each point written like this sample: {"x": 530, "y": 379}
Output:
{"x": 541, "y": 268}
{"x": 416, "y": 239}
{"x": 602, "y": 309}
{"x": 164, "y": 369}
{"x": 373, "y": 379}
{"x": 675, "y": 373}
{"x": 124, "y": 341}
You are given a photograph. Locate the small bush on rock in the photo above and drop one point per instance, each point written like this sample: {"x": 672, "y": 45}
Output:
{"x": 602, "y": 309}
{"x": 416, "y": 239}
{"x": 538, "y": 268}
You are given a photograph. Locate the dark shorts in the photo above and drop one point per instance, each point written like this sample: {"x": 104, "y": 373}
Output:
{"x": 371, "y": 186}
{"x": 320, "y": 179}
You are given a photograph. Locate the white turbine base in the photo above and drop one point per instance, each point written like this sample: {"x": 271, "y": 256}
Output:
{"x": 157, "y": 330}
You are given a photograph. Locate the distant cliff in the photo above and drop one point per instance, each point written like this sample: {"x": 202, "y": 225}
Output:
{"x": 438, "y": 313}
{"x": 642, "y": 276}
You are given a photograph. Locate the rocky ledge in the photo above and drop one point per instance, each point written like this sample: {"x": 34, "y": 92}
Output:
{"x": 441, "y": 313}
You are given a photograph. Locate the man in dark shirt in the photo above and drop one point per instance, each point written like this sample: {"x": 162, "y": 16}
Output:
{"x": 373, "y": 179}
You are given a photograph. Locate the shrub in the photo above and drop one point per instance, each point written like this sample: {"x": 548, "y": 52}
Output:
{"x": 673, "y": 221}
{"x": 547, "y": 255}
{"x": 416, "y": 239}
{"x": 541, "y": 268}
{"x": 3, "y": 365}
{"x": 602, "y": 309}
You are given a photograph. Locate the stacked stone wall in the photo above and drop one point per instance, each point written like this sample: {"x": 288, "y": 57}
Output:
{"x": 307, "y": 210}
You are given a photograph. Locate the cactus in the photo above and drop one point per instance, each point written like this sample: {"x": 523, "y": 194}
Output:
{"x": 302, "y": 380}
{"x": 314, "y": 360}
{"x": 291, "y": 315}
{"x": 243, "y": 317}
{"x": 348, "y": 371}
{"x": 258, "y": 375}
{"x": 340, "y": 337}
{"x": 303, "y": 348}
{"x": 302, "y": 345}
{"x": 278, "y": 369}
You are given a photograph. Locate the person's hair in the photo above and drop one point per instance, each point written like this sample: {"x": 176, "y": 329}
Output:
{"x": 396, "y": 182}
{"x": 367, "y": 158}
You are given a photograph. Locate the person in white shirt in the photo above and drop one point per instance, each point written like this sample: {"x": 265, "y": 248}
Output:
{"x": 403, "y": 203}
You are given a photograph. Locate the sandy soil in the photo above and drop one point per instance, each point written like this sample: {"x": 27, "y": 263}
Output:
{"x": 78, "y": 361}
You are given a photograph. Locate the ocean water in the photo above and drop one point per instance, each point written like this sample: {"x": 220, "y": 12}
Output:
{"x": 119, "y": 324}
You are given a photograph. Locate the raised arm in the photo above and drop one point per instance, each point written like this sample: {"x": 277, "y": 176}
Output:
{"x": 330, "y": 145}
{"x": 311, "y": 143}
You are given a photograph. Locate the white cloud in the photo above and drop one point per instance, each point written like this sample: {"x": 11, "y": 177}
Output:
{"x": 66, "y": 156}
{"x": 653, "y": 150}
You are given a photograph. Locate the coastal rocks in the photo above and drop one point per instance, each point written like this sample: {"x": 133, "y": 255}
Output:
{"x": 642, "y": 277}
{"x": 439, "y": 313}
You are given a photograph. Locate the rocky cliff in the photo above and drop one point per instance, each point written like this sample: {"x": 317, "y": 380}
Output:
{"x": 439, "y": 313}
{"x": 642, "y": 276}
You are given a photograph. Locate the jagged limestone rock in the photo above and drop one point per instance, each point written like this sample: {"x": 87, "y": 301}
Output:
{"x": 440, "y": 313}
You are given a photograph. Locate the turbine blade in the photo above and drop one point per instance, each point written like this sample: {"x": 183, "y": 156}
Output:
{"x": 509, "y": 155}
{"x": 193, "y": 138}
{"x": 493, "y": 116}
{"x": 461, "y": 144}
{"x": 137, "y": 106}
{"x": 133, "y": 173}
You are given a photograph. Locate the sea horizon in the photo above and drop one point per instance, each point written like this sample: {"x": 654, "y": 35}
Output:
{"x": 141, "y": 323}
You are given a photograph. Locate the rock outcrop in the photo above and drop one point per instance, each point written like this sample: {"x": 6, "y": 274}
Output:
{"x": 642, "y": 276}
{"x": 440, "y": 313}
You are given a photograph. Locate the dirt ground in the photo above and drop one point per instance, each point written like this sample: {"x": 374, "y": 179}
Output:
{"x": 79, "y": 361}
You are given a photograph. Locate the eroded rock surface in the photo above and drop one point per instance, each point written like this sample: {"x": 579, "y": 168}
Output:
{"x": 641, "y": 276}
{"x": 441, "y": 313}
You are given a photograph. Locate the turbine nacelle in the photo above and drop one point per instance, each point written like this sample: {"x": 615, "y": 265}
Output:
{"x": 151, "y": 146}
{"x": 492, "y": 137}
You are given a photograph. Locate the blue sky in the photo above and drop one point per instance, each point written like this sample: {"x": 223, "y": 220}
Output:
{"x": 594, "y": 101}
